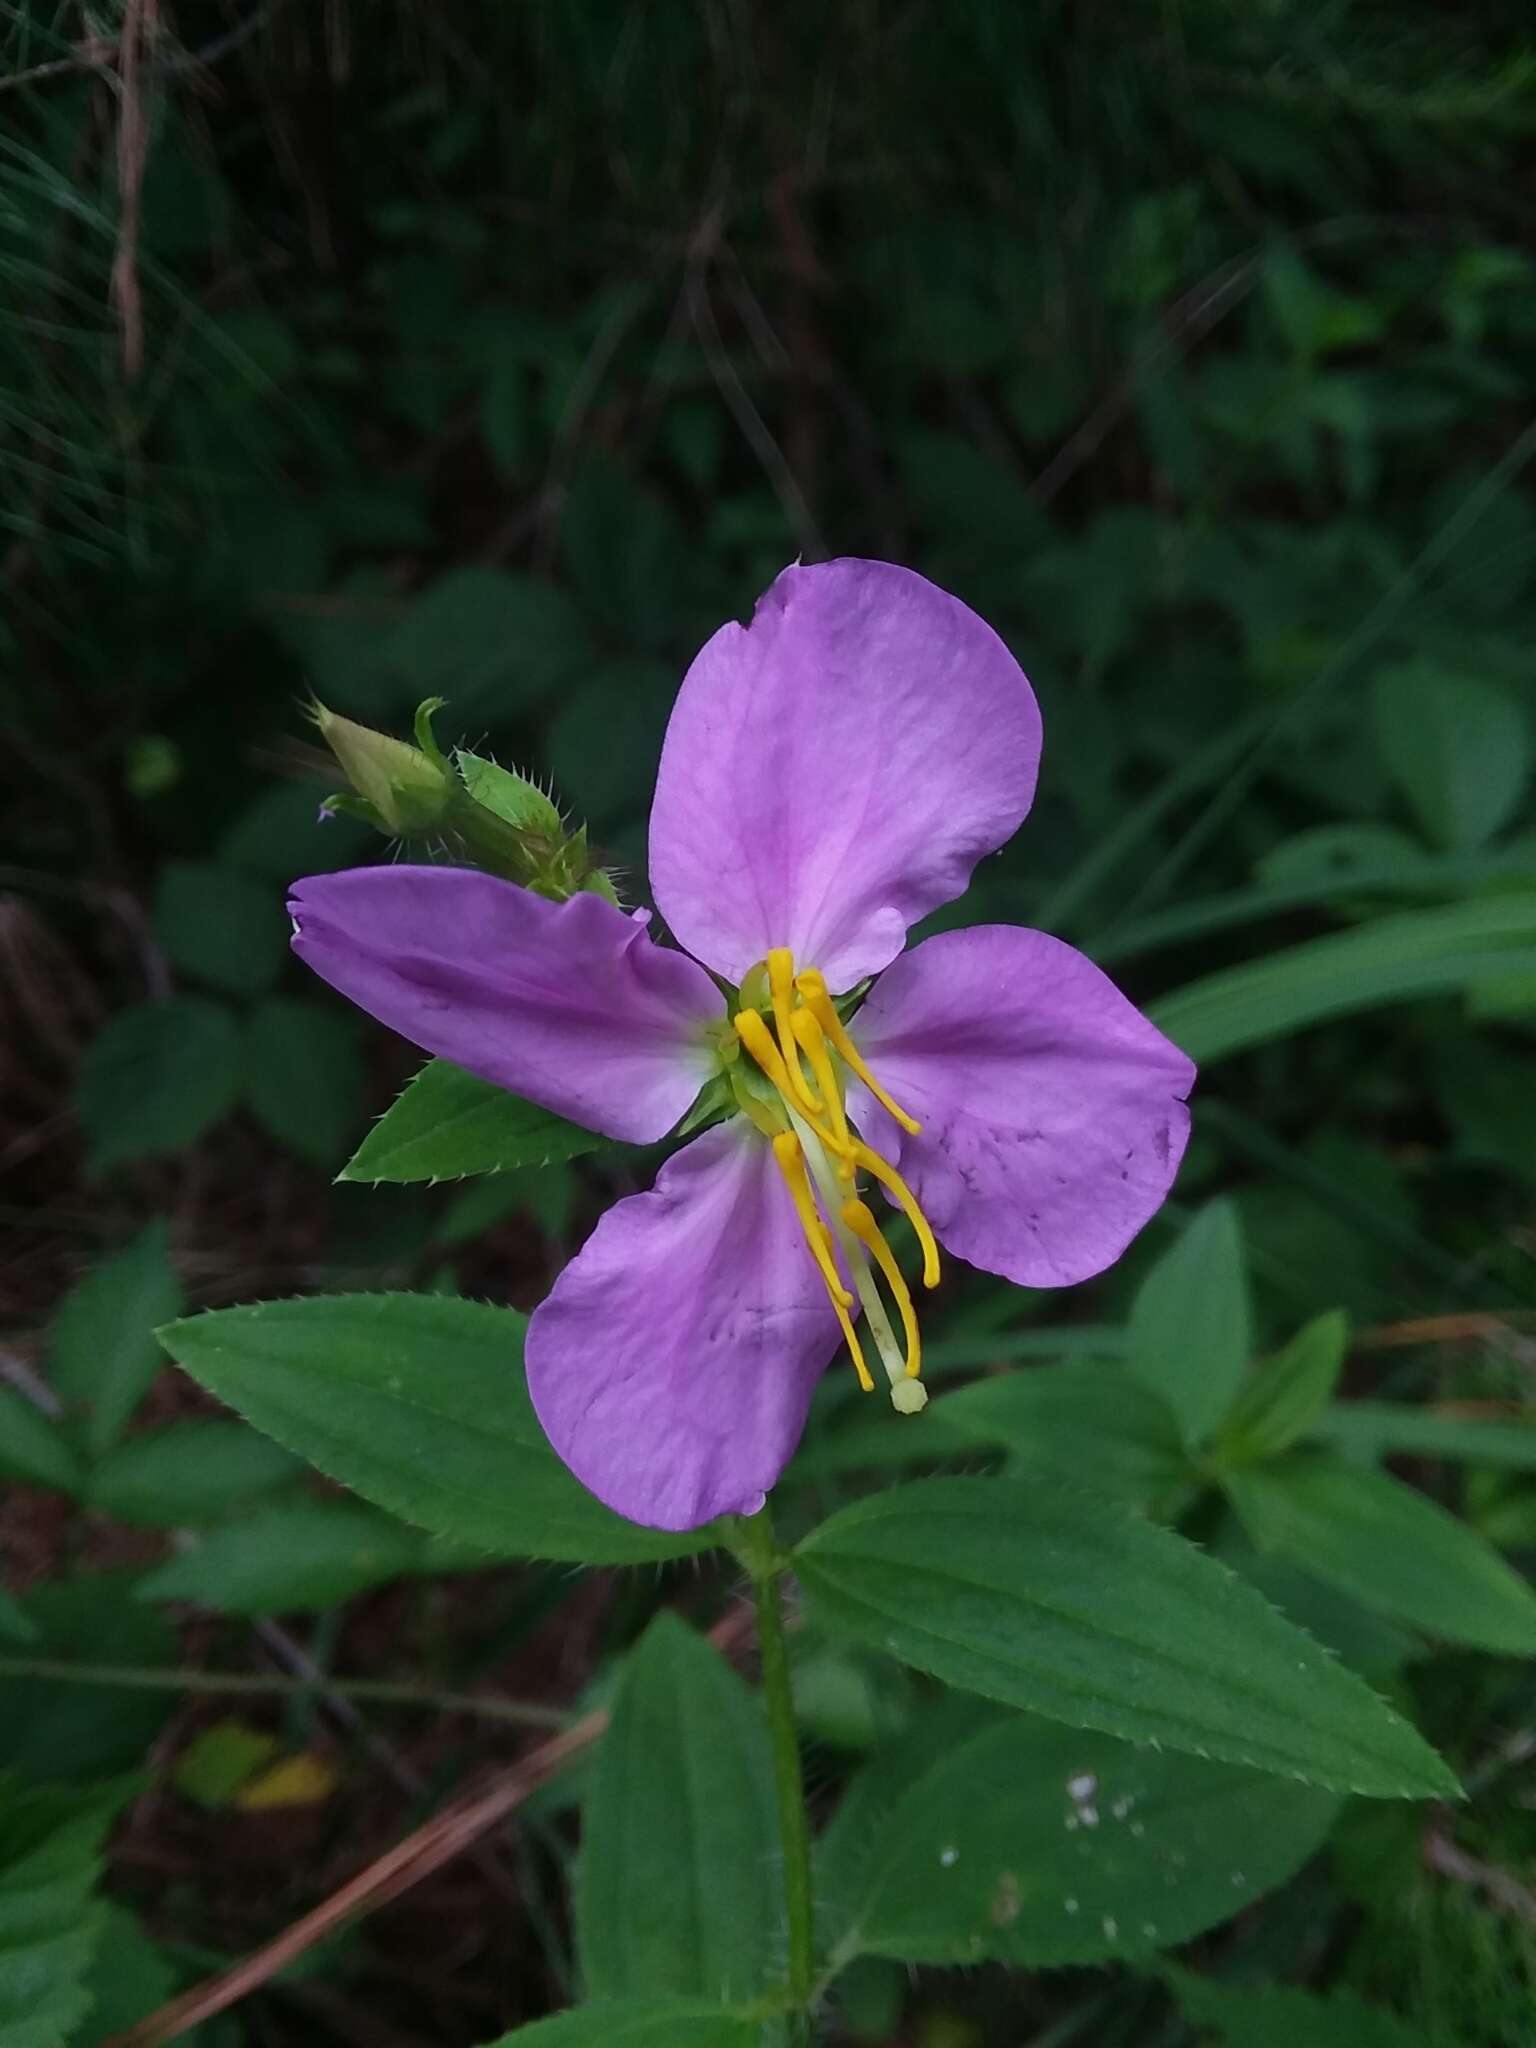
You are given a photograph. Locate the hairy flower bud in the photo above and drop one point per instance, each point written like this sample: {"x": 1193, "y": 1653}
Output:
{"x": 405, "y": 788}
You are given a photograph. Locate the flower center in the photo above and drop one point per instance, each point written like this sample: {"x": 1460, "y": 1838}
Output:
{"x": 804, "y": 1053}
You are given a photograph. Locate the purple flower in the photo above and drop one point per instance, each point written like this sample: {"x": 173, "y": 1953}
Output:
{"x": 831, "y": 773}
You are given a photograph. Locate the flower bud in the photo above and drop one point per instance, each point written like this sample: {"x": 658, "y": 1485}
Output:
{"x": 405, "y": 788}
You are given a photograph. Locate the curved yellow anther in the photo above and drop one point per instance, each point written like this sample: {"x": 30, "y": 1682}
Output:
{"x": 907, "y": 1202}
{"x": 813, "y": 992}
{"x": 758, "y": 1039}
{"x": 791, "y": 1163}
{"x": 812, "y": 1042}
{"x": 781, "y": 994}
{"x": 860, "y": 1220}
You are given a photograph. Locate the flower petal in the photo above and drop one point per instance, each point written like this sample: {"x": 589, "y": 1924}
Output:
{"x": 568, "y": 1004}
{"x": 1052, "y": 1112}
{"x": 674, "y": 1360}
{"x": 835, "y": 770}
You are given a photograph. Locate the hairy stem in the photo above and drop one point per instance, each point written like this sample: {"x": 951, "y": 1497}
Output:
{"x": 766, "y": 1567}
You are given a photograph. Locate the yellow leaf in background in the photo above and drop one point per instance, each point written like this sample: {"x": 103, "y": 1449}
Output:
{"x": 297, "y": 1781}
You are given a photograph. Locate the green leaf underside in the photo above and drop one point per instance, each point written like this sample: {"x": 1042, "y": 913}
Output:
{"x": 639, "y": 2023}
{"x": 1038, "y": 1846}
{"x": 1077, "y": 1609}
{"x": 446, "y": 1123}
{"x": 1189, "y": 1330}
{"x": 1387, "y": 1545}
{"x": 1394, "y": 959}
{"x": 677, "y": 1890}
{"x": 418, "y": 1403}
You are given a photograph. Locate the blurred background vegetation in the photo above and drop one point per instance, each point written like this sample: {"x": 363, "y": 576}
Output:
{"x": 499, "y": 352}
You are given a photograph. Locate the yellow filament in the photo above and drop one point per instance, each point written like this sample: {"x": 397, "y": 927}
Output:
{"x": 781, "y": 992}
{"x": 887, "y": 1175}
{"x": 813, "y": 990}
{"x": 860, "y": 1220}
{"x": 791, "y": 1163}
{"x": 758, "y": 1039}
{"x": 812, "y": 1042}
{"x": 786, "y": 1152}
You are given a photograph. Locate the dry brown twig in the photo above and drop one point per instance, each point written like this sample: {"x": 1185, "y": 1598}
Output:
{"x": 436, "y": 1842}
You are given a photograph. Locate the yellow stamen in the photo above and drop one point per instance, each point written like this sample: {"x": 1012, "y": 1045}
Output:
{"x": 860, "y": 1220}
{"x": 781, "y": 993}
{"x": 813, "y": 990}
{"x": 887, "y": 1175}
{"x": 812, "y": 1042}
{"x": 758, "y": 1039}
{"x": 791, "y": 1163}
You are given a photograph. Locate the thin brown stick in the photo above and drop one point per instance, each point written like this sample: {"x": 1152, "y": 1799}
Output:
{"x": 434, "y": 1843}
{"x": 1447, "y": 1329}
{"x": 1503, "y": 1889}
{"x": 139, "y": 23}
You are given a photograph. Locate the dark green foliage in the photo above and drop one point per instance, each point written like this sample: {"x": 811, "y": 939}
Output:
{"x": 499, "y": 353}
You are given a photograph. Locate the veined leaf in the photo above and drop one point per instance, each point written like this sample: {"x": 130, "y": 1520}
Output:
{"x": 1080, "y": 1610}
{"x": 1189, "y": 1333}
{"x": 640, "y": 2023}
{"x": 1389, "y": 1546}
{"x": 104, "y": 1353}
{"x": 1392, "y": 960}
{"x": 678, "y": 1888}
{"x": 50, "y": 1844}
{"x": 1281, "y": 1401}
{"x": 1091, "y": 1423}
{"x": 300, "y": 1556}
{"x": 1276, "y": 2016}
{"x": 1038, "y": 1845}
{"x": 417, "y": 1402}
{"x": 1380, "y": 1429}
{"x": 447, "y": 1123}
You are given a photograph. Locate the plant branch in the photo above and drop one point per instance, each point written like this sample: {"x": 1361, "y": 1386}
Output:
{"x": 143, "y": 1678}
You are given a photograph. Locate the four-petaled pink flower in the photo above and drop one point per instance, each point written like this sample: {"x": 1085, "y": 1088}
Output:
{"x": 831, "y": 773}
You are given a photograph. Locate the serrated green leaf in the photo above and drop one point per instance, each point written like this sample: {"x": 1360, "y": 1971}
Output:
{"x": 298, "y": 1557}
{"x": 1382, "y": 1429}
{"x": 639, "y": 2023}
{"x": 50, "y": 1922}
{"x": 156, "y": 1077}
{"x": 104, "y": 1354}
{"x": 303, "y": 1076}
{"x": 1038, "y": 1846}
{"x": 33, "y": 1448}
{"x": 417, "y": 1402}
{"x": 1078, "y": 1609}
{"x": 1389, "y": 1546}
{"x": 677, "y": 1889}
{"x": 1088, "y": 1422}
{"x": 1392, "y": 960}
{"x": 1190, "y": 1335}
{"x": 1275, "y": 2016}
{"x": 1458, "y": 748}
{"x": 1280, "y": 1402}
{"x": 189, "y": 1473}
{"x": 447, "y": 1123}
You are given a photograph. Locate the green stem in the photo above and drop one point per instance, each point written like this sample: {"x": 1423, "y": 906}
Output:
{"x": 766, "y": 1567}
{"x": 143, "y": 1678}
